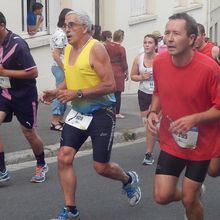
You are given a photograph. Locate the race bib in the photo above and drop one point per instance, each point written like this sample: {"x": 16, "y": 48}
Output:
{"x": 78, "y": 120}
{"x": 150, "y": 83}
{"x": 5, "y": 82}
{"x": 188, "y": 140}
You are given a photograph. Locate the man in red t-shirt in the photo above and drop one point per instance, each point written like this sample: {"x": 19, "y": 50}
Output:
{"x": 212, "y": 51}
{"x": 204, "y": 47}
{"x": 187, "y": 87}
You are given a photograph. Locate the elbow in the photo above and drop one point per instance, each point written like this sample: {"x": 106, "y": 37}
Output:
{"x": 34, "y": 73}
{"x": 113, "y": 87}
{"x": 110, "y": 88}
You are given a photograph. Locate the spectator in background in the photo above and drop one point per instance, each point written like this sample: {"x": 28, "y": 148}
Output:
{"x": 96, "y": 32}
{"x": 142, "y": 72}
{"x": 119, "y": 64}
{"x": 35, "y": 18}
{"x": 106, "y": 36}
{"x": 161, "y": 44}
{"x": 58, "y": 42}
{"x": 204, "y": 47}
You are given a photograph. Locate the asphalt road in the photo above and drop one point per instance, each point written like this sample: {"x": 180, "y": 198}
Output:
{"x": 15, "y": 141}
{"x": 98, "y": 198}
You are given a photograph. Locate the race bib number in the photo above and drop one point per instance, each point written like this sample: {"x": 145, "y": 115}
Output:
{"x": 78, "y": 120}
{"x": 187, "y": 140}
{"x": 5, "y": 82}
{"x": 150, "y": 83}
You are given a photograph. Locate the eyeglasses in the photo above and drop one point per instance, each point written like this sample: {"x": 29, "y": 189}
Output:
{"x": 71, "y": 25}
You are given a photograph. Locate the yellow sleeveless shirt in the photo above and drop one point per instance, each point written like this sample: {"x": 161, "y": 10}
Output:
{"x": 81, "y": 75}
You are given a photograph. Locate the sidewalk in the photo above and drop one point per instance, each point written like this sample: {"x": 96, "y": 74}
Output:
{"x": 17, "y": 149}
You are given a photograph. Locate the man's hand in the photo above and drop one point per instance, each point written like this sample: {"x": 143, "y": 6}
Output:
{"x": 182, "y": 125}
{"x": 146, "y": 75}
{"x": 66, "y": 95}
{"x": 48, "y": 96}
{"x": 152, "y": 122}
{"x": 1, "y": 70}
{"x": 40, "y": 19}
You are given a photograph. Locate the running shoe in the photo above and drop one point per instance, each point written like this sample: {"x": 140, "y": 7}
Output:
{"x": 132, "y": 189}
{"x": 4, "y": 176}
{"x": 40, "y": 174}
{"x": 67, "y": 215}
{"x": 148, "y": 159}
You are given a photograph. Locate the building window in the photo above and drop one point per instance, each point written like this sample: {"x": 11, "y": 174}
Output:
{"x": 142, "y": 11}
{"x": 26, "y": 7}
{"x": 138, "y": 7}
{"x": 142, "y": 7}
{"x": 180, "y": 3}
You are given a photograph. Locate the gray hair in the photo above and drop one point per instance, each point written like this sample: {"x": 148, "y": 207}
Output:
{"x": 83, "y": 18}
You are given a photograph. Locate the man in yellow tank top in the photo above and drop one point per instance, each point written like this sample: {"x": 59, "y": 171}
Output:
{"x": 89, "y": 84}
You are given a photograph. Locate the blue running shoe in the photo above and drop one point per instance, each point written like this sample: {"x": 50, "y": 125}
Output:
{"x": 4, "y": 176}
{"x": 40, "y": 174}
{"x": 132, "y": 189}
{"x": 65, "y": 214}
{"x": 148, "y": 159}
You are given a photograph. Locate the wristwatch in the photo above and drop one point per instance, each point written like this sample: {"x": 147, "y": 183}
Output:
{"x": 79, "y": 94}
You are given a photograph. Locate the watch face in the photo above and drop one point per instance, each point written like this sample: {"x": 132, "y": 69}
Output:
{"x": 79, "y": 94}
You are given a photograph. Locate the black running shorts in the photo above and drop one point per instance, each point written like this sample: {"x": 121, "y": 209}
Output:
{"x": 101, "y": 131}
{"x": 144, "y": 100}
{"x": 24, "y": 109}
{"x": 170, "y": 165}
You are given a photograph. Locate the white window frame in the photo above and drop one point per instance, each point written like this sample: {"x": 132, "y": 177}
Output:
{"x": 177, "y": 3}
{"x": 141, "y": 11}
{"x": 186, "y": 5}
{"x": 45, "y": 25}
{"x": 180, "y": 3}
{"x": 194, "y": 1}
{"x": 138, "y": 8}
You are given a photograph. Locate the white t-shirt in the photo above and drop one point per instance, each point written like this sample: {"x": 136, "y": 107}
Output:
{"x": 147, "y": 85}
{"x": 58, "y": 40}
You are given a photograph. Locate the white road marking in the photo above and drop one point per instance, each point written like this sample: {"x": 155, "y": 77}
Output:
{"x": 19, "y": 166}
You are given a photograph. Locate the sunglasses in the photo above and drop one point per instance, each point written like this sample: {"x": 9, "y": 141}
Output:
{"x": 71, "y": 25}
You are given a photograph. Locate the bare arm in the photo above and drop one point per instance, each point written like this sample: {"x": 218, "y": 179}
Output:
{"x": 100, "y": 62}
{"x": 184, "y": 124}
{"x": 20, "y": 74}
{"x": 153, "y": 117}
{"x": 56, "y": 52}
{"x": 32, "y": 29}
{"x": 48, "y": 95}
{"x": 135, "y": 74}
{"x": 216, "y": 54}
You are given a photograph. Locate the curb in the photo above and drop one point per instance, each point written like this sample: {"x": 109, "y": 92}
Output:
{"x": 51, "y": 150}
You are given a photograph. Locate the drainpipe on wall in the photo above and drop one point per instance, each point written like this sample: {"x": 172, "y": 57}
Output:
{"x": 208, "y": 17}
